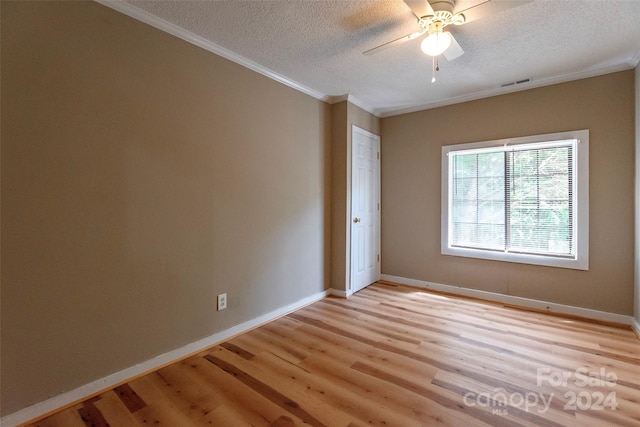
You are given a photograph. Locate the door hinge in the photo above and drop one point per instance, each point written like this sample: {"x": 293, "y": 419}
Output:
{"x": 378, "y": 206}
{"x": 378, "y": 257}
{"x": 378, "y": 155}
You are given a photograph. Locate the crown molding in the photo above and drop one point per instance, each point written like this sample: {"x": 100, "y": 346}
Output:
{"x": 161, "y": 24}
{"x": 188, "y": 36}
{"x": 339, "y": 98}
{"x": 355, "y": 101}
{"x": 358, "y": 103}
{"x": 503, "y": 91}
{"x": 635, "y": 59}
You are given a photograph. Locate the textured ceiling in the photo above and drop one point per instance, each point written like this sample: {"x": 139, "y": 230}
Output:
{"x": 317, "y": 46}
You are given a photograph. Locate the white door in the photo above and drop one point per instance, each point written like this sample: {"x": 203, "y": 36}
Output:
{"x": 365, "y": 209}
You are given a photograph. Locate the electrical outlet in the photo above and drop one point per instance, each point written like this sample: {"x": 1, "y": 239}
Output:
{"x": 222, "y": 301}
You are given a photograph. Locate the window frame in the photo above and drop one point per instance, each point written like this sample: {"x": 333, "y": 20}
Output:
{"x": 581, "y": 205}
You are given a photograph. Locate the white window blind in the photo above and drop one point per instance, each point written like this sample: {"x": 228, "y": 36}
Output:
{"x": 540, "y": 203}
{"x": 514, "y": 199}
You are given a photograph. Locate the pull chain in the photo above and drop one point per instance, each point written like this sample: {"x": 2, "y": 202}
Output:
{"x": 434, "y": 67}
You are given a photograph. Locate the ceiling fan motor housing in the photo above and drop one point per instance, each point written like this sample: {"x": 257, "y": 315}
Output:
{"x": 442, "y": 6}
{"x": 443, "y": 13}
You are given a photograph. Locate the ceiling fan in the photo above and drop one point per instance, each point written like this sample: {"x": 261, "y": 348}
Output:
{"x": 434, "y": 15}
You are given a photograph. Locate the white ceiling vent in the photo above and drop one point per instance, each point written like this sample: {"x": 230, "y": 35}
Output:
{"x": 517, "y": 82}
{"x": 317, "y": 47}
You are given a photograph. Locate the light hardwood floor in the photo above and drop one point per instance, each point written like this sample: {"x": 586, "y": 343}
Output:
{"x": 390, "y": 356}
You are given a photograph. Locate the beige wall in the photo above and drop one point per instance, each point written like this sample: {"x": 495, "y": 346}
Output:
{"x": 411, "y": 187}
{"x": 362, "y": 119}
{"x": 142, "y": 176}
{"x": 344, "y": 115}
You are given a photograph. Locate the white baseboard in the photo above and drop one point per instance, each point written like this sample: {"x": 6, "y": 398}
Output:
{"x": 110, "y": 381}
{"x": 550, "y": 307}
{"x": 338, "y": 293}
{"x": 635, "y": 324}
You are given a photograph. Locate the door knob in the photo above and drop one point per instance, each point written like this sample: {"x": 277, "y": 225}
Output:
{"x": 356, "y": 220}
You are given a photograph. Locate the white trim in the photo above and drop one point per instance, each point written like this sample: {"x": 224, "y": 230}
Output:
{"x": 350, "y": 173}
{"x": 110, "y": 381}
{"x": 358, "y": 103}
{"x": 339, "y": 293}
{"x": 636, "y": 256}
{"x": 635, "y": 324}
{"x": 159, "y": 23}
{"x": 547, "y": 306}
{"x": 188, "y": 36}
{"x": 580, "y": 141}
{"x": 353, "y": 100}
{"x": 516, "y": 88}
{"x": 338, "y": 98}
{"x": 635, "y": 60}
{"x": 168, "y": 27}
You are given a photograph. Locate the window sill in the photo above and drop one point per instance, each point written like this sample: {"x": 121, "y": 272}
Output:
{"x": 581, "y": 263}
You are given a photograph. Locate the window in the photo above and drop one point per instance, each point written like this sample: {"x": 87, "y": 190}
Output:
{"x": 522, "y": 200}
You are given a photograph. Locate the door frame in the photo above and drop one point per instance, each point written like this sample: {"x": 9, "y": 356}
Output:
{"x": 350, "y": 162}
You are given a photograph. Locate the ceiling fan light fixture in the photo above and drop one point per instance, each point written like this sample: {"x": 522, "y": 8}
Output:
{"x": 436, "y": 43}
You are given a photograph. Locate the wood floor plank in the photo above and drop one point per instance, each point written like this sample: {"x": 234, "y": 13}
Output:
{"x": 162, "y": 415}
{"x": 390, "y": 355}
{"x": 66, "y": 418}
{"x": 187, "y": 396}
{"x": 130, "y": 398}
{"x": 248, "y": 405}
{"x": 391, "y": 406}
{"x": 223, "y": 414}
{"x": 114, "y": 410}
{"x": 265, "y": 340}
{"x": 338, "y": 393}
{"x": 439, "y": 398}
{"x": 266, "y": 390}
{"x": 91, "y": 415}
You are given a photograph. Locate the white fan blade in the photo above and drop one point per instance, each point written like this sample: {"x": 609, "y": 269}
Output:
{"x": 454, "y": 50}
{"x": 420, "y": 8}
{"x": 393, "y": 43}
{"x": 489, "y": 7}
